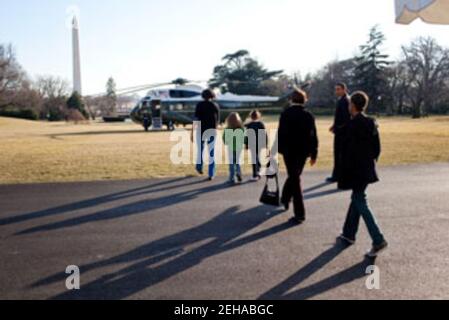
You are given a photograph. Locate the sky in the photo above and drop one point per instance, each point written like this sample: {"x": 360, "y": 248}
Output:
{"x": 151, "y": 41}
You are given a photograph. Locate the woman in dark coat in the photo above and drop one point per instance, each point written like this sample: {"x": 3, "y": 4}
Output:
{"x": 360, "y": 154}
{"x": 298, "y": 141}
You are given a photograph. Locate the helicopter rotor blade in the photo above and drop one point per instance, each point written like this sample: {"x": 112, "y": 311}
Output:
{"x": 133, "y": 89}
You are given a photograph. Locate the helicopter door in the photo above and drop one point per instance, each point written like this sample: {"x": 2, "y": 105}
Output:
{"x": 156, "y": 114}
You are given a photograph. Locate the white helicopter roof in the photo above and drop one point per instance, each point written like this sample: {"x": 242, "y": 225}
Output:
{"x": 247, "y": 98}
{"x": 163, "y": 93}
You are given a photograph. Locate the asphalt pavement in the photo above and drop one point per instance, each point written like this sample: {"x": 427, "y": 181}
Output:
{"x": 187, "y": 238}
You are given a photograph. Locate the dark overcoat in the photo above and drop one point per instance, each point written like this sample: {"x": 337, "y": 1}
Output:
{"x": 361, "y": 151}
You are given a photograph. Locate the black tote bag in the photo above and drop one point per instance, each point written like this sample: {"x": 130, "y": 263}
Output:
{"x": 271, "y": 198}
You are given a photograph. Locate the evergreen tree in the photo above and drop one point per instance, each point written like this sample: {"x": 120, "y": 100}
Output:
{"x": 371, "y": 68}
{"x": 111, "y": 96}
{"x": 75, "y": 102}
{"x": 242, "y": 74}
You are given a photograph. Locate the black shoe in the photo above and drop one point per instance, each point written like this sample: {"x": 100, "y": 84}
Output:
{"x": 239, "y": 178}
{"x": 331, "y": 180}
{"x": 376, "y": 250}
{"x": 297, "y": 221}
{"x": 286, "y": 205}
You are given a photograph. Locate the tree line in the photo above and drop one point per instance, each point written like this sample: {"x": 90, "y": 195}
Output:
{"x": 415, "y": 84}
{"x": 46, "y": 97}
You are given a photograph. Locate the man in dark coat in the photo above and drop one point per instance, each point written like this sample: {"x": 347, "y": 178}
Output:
{"x": 342, "y": 118}
{"x": 298, "y": 141}
{"x": 207, "y": 113}
{"x": 361, "y": 152}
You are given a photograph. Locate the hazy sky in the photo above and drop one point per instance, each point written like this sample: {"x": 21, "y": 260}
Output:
{"x": 146, "y": 41}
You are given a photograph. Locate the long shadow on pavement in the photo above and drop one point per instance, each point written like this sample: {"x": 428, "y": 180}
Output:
{"x": 130, "y": 209}
{"x": 153, "y": 188}
{"x": 169, "y": 256}
{"x": 317, "y": 187}
{"x": 59, "y": 210}
{"x": 135, "y": 208}
{"x": 358, "y": 271}
{"x": 280, "y": 292}
{"x": 162, "y": 259}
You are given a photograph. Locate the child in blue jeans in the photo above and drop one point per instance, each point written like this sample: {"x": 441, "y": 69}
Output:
{"x": 234, "y": 139}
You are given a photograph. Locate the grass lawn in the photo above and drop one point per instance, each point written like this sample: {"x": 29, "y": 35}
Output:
{"x": 60, "y": 152}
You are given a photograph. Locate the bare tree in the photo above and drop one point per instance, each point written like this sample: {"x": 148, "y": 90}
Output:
{"x": 397, "y": 88}
{"x": 52, "y": 87}
{"x": 11, "y": 74}
{"x": 427, "y": 71}
{"x": 27, "y": 98}
{"x": 53, "y": 92}
{"x": 323, "y": 82}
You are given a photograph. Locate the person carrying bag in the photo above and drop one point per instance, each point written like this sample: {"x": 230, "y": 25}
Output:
{"x": 298, "y": 141}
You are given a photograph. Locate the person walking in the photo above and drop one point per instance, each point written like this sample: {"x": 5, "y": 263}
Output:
{"x": 234, "y": 139}
{"x": 207, "y": 116}
{"x": 297, "y": 141}
{"x": 342, "y": 118}
{"x": 257, "y": 139}
{"x": 361, "y": 152}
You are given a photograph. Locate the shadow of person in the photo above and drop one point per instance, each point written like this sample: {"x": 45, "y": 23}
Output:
{"x": 317, "y": 187}
{"x": 321, "y": 194}
{"x": 279, "y": 292}
{"x": 159, "y": 260}
{"x": 59, "y": 210}
{"x": 349, "y": 275}
{"x": 127, "y": 210}
{"x": 145, "y": 206}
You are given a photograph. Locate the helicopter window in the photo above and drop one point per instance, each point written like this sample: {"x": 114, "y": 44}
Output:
{"x": 183, "y": 94}
{"x": 145, "y": 106}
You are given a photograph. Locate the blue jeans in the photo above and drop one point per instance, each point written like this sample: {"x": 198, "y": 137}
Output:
{"x": 211, "y": 147}
{"x": 235, "y": 168}
{"x": 359, "y": 208}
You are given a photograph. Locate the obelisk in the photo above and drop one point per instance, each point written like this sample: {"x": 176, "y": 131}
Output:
{"x": 76, "y": 57}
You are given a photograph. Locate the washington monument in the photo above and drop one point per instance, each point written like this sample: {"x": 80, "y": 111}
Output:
{"x": 76, "y": 57}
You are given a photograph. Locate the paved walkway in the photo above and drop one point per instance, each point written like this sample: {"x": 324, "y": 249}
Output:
{"x": 190, "y": 239}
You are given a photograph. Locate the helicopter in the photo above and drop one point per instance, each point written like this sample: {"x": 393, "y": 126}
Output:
{"x": 174, "y": 104}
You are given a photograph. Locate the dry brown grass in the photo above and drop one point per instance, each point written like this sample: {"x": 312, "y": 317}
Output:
{"x": 60, "y": 152}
